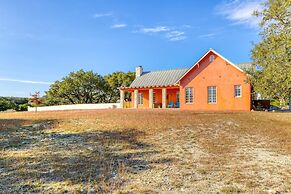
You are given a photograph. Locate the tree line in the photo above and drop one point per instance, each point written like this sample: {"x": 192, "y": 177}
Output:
{"x": 81, "y": 87}
{"x": 85, "y": 87}
{"x": 13, "y": 103}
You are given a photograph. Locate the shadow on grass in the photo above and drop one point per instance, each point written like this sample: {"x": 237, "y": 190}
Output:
{"x": 35, "y": 158}
{"x": 19, "y": 133}
{"x": 8, "y": 123}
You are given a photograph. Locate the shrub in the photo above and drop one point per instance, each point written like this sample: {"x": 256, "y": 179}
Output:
{"x": 22, "y": 107}
{"x": 6, "y": 104}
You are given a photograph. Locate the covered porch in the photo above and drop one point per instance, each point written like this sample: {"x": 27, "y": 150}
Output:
{"x": 151, "y": 97}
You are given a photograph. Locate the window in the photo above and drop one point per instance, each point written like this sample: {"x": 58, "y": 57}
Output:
{"x": 154, "y": 97}
{"x": 140, "y": 98}
{"x": 189, "y": 95}
{"x": 178, "y": 97}
{"x": 211, "y": 58}
{"x": 211, "y": 90}
{"x": 237, "y": 91}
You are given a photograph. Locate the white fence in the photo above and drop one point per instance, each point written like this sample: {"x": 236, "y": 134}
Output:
{"x": 77, "y": 107}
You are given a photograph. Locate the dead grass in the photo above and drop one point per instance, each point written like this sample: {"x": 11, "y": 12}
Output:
{"x": 145, "y": 151}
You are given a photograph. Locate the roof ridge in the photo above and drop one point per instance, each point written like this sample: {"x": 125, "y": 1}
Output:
{"x": 167, "y": 70}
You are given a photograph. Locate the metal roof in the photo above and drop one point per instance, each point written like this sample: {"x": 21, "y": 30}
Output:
{"x": 171, "y": 77}
{"x": 246, "y": 66}
{"x": 158, "y": 78}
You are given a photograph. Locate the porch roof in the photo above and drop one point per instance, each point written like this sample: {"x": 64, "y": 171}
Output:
{"x": 158, "y": 78}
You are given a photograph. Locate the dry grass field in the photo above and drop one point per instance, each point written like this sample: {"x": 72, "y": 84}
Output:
{"x": 145, "y": 151}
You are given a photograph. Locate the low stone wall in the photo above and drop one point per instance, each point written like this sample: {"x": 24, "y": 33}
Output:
{"x": 77, "y": 107}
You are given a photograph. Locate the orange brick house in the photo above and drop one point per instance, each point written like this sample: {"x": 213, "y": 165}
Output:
{"x": 213, "y": 83}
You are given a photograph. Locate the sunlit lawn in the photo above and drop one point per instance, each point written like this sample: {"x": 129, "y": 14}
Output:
{"x": 145, "y": 151}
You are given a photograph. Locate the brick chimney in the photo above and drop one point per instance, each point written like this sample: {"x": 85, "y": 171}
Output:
{"x": 138, "y": 71}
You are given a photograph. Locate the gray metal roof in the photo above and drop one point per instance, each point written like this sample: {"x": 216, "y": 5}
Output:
{"x": 168, "y": 77}
{"x": 246, "y": 66}
{"x": 158, "y": 78}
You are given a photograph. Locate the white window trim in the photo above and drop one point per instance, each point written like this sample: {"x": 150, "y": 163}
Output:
{"x": 240, "y": 91}
{"x": 215, "y": 95}
{"x": 139, "y": 98}
{"x": 186, "y": 95}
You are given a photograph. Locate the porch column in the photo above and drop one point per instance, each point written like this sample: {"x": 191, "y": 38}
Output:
{"x": 121, "y": 99}
{"x": 151, "y": 98}
{"x": 135, "y": 99}
{"x": 164, "y": 98}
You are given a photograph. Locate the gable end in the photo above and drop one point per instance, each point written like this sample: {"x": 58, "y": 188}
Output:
{"x": 216, "y": 53}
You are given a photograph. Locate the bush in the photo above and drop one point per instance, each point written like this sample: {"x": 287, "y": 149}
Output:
{"x": 15, "y": 103}
{"x": 276, "y": 102}
{"x": 6, "y": 104}
{"x": 22, "y": 107}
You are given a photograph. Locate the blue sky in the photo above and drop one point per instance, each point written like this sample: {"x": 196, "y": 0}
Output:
{"x": 43, "y": 40}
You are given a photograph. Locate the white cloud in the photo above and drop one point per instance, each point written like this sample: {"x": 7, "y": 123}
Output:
{"x": 170, "y": 33}
{"x": 176, "y": 35}
{"x": 207, "y": 35}
{"x": 25, "y": 81}
{"x": 240, "y": 11}
{"x": 119, "y": 26}
{"x": 186, "y": 26}
{"x": 156, "y": 29}
{"x": 178, "y": 38}
{"x": 100, "y": 15}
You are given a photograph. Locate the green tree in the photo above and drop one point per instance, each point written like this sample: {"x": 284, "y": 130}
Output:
{"x": 272, "y": 54}
{"x": 116, "y": 80}
{"x": 81, "y": 87}
{"x": 6, "y": 104}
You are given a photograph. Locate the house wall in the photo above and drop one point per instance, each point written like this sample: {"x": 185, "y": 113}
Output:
{"x": 222, "y": 75}
{"x": 172, "y": 95}
{"x": 145, "y": 99}
{"x": 171, "y": 92}
{"x": 158, "y": 95}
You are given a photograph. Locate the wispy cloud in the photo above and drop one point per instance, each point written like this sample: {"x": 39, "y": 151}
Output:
{"x": 176, "y": 35}
{"x": 25, "y": 81}
{"x": 186, "y": 26}
{"x": 171, "y": 33}
{"x": 119, "y": 25}
{"x": 100, "y": 15}
{"x": 240, "y": 11}
{"x": 156, "y": 29}
{"x": 207, "y": 35}
{"x": 178, "y": 38}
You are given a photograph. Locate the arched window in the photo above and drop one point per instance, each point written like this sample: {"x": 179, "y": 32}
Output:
{"x": 211, "y": 58}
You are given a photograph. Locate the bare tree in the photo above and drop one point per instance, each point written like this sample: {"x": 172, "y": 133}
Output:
{"x": 35, "y": 100}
